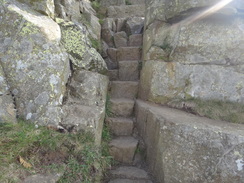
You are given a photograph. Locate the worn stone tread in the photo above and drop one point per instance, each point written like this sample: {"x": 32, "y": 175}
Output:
{"x": 120, "y": 126}
{"x": 129, "y": 172}
{"x": 122, "y": 107}
{"x": 125, "y": 11}
{"x": 123, "y": 148}
{"x": 129, "y": 53}
{"x": 124, "y": 89}
{"x": 129, "y": 70}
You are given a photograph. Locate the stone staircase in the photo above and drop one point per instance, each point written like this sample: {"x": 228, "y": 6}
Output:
{"x": 122, "y": 35}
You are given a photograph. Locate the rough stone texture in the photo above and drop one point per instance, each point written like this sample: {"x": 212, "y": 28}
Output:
{"x": 123, "y": 149}
{"x": 120, "y": 24}
{"x": 122, "y": 107}
{"x": 85, "y": 106}
{"x": 182, "y": 147}
{"x": 134, "y": 25}
{"x": 129, "y": 172}
{"x": 120, "y": 126}
{"x": 193, "y": 59}
{"x": 120, "y": 39}
{"x": 81, "y": 53}
{"x": 128, "y": 53}
{"x": 113, "y": 75}
{"x": 112, "y": 54}
{"x": 35, "y": 66}
{"x": 126, "y": 11}
{"x": 53, "y": 178}
{"x": 163, "y": 81}
{"x": 129, "y": 70}
{"x": 107, "y": 36}
{"x": 106, "y": 3}
{"x": 124, "y": 89}
{"x": 136, "y": 1}
{"x": 135, "y": 40}
{"x": 7, "y": 108}
{"x": 45, "y": 7}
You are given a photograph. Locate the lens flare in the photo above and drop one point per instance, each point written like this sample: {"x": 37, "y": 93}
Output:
{"x": 206, "y": 13}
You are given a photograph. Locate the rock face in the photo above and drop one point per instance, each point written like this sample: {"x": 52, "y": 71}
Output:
{"x": 35, "y": 66}
{"x": 49, "y": 72}
{"x": 185, "y": 148}
{"x": 192, "y": 59}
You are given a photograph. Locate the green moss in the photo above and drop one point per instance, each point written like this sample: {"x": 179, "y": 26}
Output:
{"x": 214, "y": 109}
{"x": 127, "y": 2}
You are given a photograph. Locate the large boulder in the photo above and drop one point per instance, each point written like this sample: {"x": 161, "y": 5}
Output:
{"x": 35, "y": 66}
{"x": 182, "y": 147}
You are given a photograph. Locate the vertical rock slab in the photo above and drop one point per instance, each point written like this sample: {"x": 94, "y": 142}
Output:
{"x": 35, "y": 66}
{"x": 182, "y": 147}
{"x": 7, "y": 108}
{"x": 85, "y": 106}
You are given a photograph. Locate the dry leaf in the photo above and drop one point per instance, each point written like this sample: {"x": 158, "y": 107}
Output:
{"x": 24, "y": 163}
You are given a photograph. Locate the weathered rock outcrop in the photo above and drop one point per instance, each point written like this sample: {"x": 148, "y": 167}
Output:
{"x": 187, "y": 59}
{"x": 185, "y": 148}
{"x": 49, "y": 71}
{"x": 35, "y": 66}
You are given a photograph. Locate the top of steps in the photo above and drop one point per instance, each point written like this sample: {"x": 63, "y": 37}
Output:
{"x": 126, "y": 11}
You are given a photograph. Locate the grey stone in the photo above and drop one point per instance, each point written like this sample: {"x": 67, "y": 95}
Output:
{"x": 111, "y": 64}
{"x": 120, "y": 24}
{"x": 120, "y": 39}
{"x": 178, "y": 140}
{"x": 81, "y": 53}
{"x": 124, "y": 89}
{"x": 93, "y": 21}
{"x": 132, "y": 2}
{"x": 129, "y": 70}
{"x": 105, "y": 48}
{"x": 122, "y": 107}
{"x": 107, "y": 36}
{"x": 123, "y": 150}
{"x": 163, "y": 81}
{"x": 126, "y": 11}
{"x": 128, "y": 53}
{"x": 45, "y": 7}
{"x": 53, "y": 178}
{"x": 106, "y": 3}
{"x": 7, "y": 109}
{"x": 130, "y": 172}
{"x": 135, "y": 40}
{"x": 120, "y": 126}
{"x": 112, "y": 53}
{"x": 85, "y": 106}
{"x": 35, "y": 65}
{"x": 134, "y": 25}
{"x": 113, "y": 75}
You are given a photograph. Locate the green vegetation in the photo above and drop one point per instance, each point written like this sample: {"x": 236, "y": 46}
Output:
{"x": 214, "y": 109}
{"x": 108, "y": 107}
{"x": 96, "y": 44}
{"x": 127, "y": 2}
{"x": 27, "y": 150}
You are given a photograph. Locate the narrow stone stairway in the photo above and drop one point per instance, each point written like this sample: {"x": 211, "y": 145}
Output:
{"x": 122, "y": 35}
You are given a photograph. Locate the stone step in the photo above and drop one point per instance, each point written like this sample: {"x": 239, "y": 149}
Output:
{"x": 129, "y": 172}
{"x": 128, "y": 53}
{"x": 124, "y": 89}
{"x": 129, "y": 70}
{"x": 126, "y": 11}
{"x": 129, "y": 181}
{"x": 123, "y": 149}
{"x": 120, "y": 126}
{"x": 135, "y": 40}
{"x": 113, "y": 74}
{"x": 122, "y": 107}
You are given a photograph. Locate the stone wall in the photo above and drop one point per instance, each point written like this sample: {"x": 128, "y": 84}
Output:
{"x": 185, "y": 148}
{"x": 187, "y": 59}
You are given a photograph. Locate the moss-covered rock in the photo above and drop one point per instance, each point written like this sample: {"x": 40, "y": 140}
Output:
{"x": 77, "y": 44}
